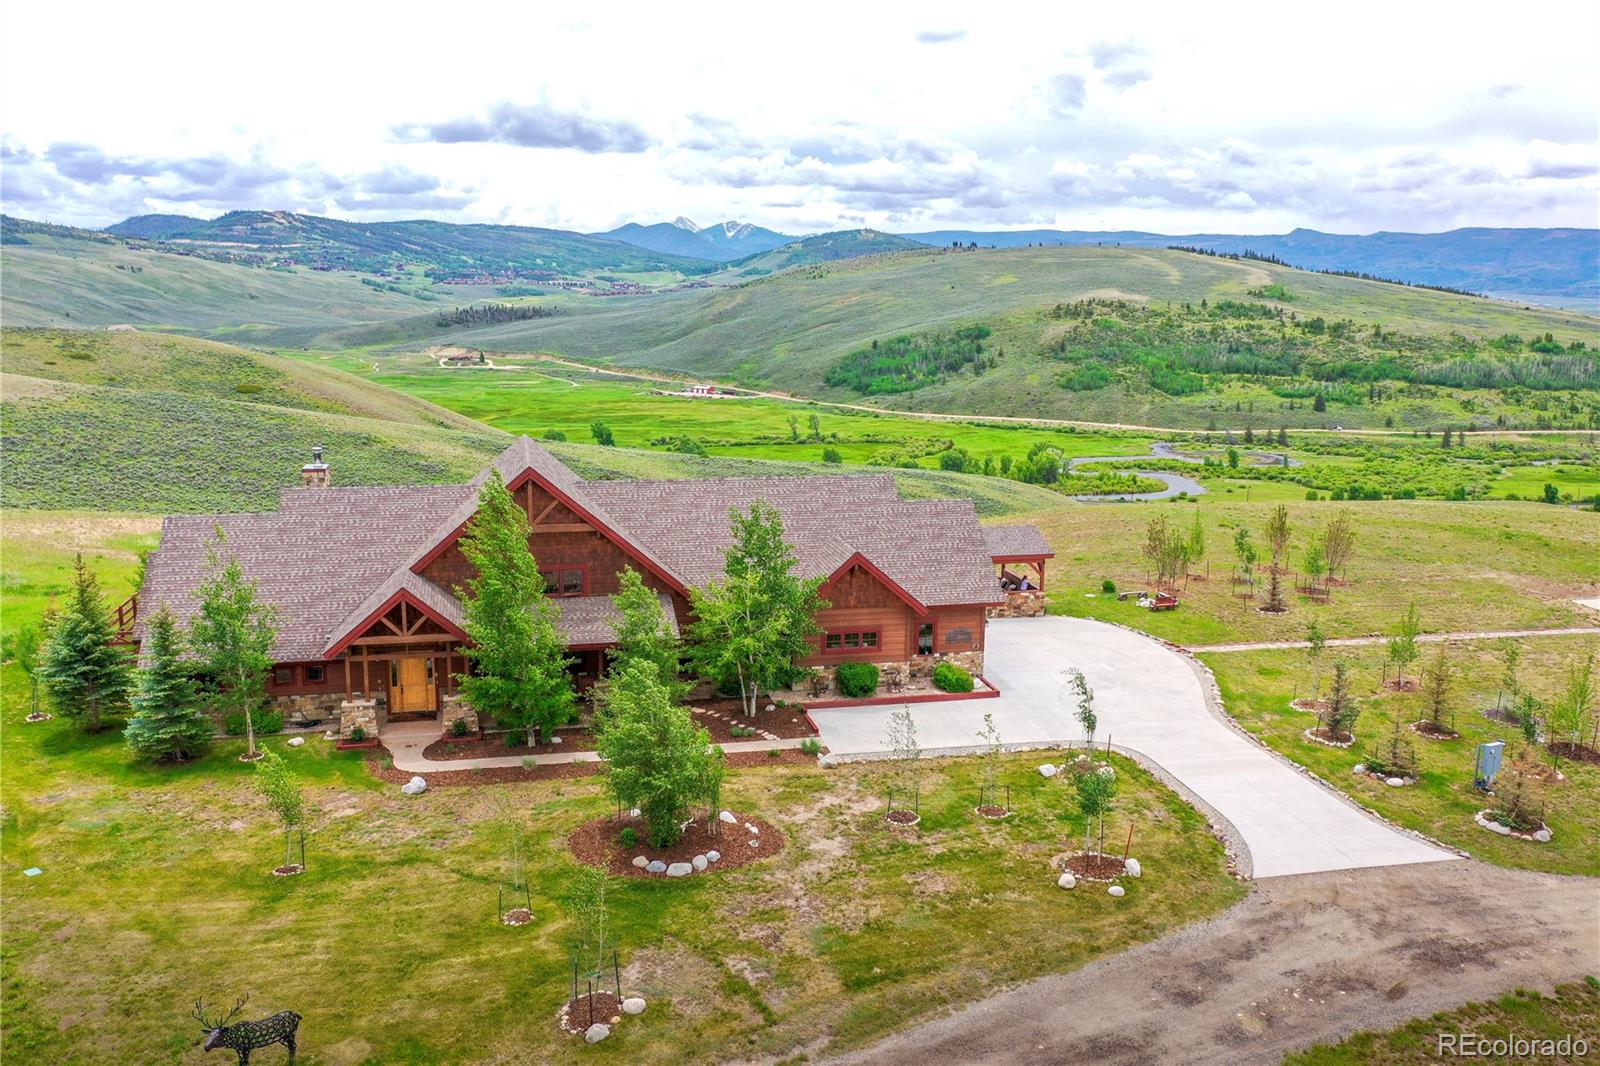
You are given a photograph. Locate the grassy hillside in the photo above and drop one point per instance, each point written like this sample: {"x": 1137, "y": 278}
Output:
{"x": 822, "y": 248}
{"x": 154, "y": 423}
{"x": 789, "y": 330}
{"x": 64, "y": 281}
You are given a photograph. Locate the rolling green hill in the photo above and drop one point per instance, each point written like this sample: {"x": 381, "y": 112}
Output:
{"x": 1435, "y": 358}
{"x": 134, "y": 421}
{"x": 821, "y": 248}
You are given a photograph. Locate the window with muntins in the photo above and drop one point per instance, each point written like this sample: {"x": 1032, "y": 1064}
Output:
{"x": 562, "y": 582}
{"x": 849, "y": 641}
{"x": 925, "y": 639}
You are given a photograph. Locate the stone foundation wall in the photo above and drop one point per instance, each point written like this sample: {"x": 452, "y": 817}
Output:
{"x": 363, "y": 713}
{"x": 1020, "y": 604}
{"x": 308, "y": 709}
{"x": 455, "y": 708}
{"x": 919, "y": 668}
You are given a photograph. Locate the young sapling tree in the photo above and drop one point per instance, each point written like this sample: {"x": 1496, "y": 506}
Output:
{"x": 232, "y": 635}
{"x": 275, "y": 781}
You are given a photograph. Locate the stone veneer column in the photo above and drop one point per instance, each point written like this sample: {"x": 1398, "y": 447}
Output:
{"x": 363, "y": 713}
{"x": 456, "y": 709}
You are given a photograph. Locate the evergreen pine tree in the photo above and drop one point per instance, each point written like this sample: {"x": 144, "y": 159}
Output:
{"x": 167, "y": 721}
{"x": 84, "y": 672}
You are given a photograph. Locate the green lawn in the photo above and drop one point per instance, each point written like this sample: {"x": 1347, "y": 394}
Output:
{"x": 1257, "y": 687}
{"x": 1475, "y": 566}
{"x": 1569, "y": 1011}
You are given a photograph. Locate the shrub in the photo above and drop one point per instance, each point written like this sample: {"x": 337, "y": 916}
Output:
{"x": 811, "y": 746}
{"x": 266, "y": 722}
{"x": 1108, "y": 586}
{"x": 513, "y": 738}
{"x": 629, "y": 837}
{"x": 951, "y": 678}
{"x": 773, "y": 753}
{"x": 357, "y": 734}
{"x": 856, "y": 680}
{"x": 529, "y": 762}
{"x": 458, "y": 728}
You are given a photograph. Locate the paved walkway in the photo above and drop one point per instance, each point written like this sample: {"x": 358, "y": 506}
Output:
{"x": 1426, "y": 638}
{"x": 1154, "y": 702}
{"x": 405, "y": 741}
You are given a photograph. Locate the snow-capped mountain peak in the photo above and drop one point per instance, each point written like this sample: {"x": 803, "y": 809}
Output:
{"x": 734, "y": 230}
{"x": 684, "y": 223}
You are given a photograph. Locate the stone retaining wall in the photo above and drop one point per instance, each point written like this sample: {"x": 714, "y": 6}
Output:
{"x": 308, "y": 709}
{"x": 919, "y": 668}
{"x": 1020, "y": 604}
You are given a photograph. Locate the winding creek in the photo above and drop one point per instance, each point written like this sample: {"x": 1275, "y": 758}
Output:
{"x": 1176, "y": 484}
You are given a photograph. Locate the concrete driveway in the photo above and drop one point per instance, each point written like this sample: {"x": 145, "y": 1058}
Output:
{"x": 1150, "y": 699}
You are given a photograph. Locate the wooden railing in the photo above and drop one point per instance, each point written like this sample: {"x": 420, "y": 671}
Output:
{"x": 126, "y": 615}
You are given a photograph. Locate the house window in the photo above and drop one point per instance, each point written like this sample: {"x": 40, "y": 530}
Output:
{"x": 925, "y": 639}
{"x": 316, "y": 675}
{"x": 564, "y": 582}
{"x": 283, "y": 675}
{"x": 855, "y": 640}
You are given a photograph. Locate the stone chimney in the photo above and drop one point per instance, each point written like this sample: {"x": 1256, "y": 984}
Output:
{"x": 314, "y": 475}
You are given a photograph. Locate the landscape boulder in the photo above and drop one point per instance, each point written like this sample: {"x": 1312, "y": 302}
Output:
{"x": 1503, "y": 830}
{"x": 727, "y": 817}
{"x": 1133, "y": 868}
{"x": 596, "y": 1033}
{"x": 699, "y": 862}
{"x": 1542, "y": 836}
{"x": 640, "y": 861}
{"x": 415, "y": 787}
{"x": 1066, "y": 880}
{"x": 1046, "y": 770}
{"x": 295, "y": 742}
{"x": 655, "y": 866}
{"x": 634, "y": 813}
{"x": 713, "y": 856}
{"x": 1395, "y": 782}
{"x": 1359, "y": 768}
{"x": 1118, "y": 891}
{"x": 680, "y": 869}
{"x": 633, "y": 1005}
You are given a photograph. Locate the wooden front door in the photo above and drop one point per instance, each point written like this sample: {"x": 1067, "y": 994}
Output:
{"x": 413, "y": 685}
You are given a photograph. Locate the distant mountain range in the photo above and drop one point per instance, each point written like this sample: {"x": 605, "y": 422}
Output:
{"x": 1548, "y": 263}
{"x": 721, "y": 243}
{"x": 446, "y": 251}
{"x": 1558, "y": 266}
{"x": 1554, "y": 265}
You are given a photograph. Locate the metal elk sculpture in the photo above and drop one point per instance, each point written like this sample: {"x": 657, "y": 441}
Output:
{"x": 245, "y": 1037}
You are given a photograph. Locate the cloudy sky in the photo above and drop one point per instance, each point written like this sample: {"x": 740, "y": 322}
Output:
{"x": 1388, "y": 116}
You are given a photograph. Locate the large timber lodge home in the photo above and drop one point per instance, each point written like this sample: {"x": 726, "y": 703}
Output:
{"x": 363, "y": 578}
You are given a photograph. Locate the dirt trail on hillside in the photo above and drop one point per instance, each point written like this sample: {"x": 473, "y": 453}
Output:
{"x": 1303, "y": 960}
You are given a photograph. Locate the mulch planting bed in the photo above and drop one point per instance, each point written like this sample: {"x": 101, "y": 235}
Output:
{"x": 1503, "y": 715}
{"x": 38, "y": 716}
{"x": 992, "y": 810}
{"x": 1314, "y": 706}
{"x": 1575, "y": 752}
{"x": 596, "y": 843}
{"x": 1092, "y": 867}
{"x": 1431, "y": 730}
{"x": 1408, "y": 684}
{"x": 516, "y": 916}
{"x": 786, "y": 723}
{"x": 494, "y": 746}
{"x": 605, "y": 1009}
{"x": 1331, "y": 737}
{"x": 289, "y": 870}
{"x": 903, "y": 818}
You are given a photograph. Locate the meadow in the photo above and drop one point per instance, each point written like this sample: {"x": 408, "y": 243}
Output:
{"x": 786, "y": 331}
{"x": 1257, "y": 687}
{"x": 1469, "y": 567}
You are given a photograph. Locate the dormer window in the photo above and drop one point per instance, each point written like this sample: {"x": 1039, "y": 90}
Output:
{"x": 564, "y": 581}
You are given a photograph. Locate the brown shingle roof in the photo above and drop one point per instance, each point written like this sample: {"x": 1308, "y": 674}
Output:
{"x": 593, "y": 619}
{"x": 331, "y": 556}
{"x": 1011, "y": 542}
